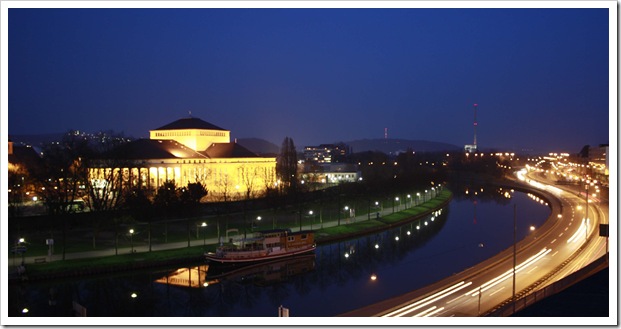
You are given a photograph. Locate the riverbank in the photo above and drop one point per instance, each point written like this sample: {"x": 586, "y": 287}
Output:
{"x": 123, "y": 260}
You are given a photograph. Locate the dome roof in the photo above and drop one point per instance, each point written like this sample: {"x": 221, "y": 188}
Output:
{"x": 190, "y": 123}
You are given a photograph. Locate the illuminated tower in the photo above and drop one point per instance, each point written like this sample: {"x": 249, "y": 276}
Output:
{"x": 475, "y": 127}
{"x": 473, "y": 148}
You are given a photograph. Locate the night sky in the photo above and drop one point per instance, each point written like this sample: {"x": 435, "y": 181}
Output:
{"x": 540, "y": 76}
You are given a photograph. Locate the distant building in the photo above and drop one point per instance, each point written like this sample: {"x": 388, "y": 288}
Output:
{"x": 326, "y": 153}
{"x": 329, "y": 173}
{"x": 599, "y": 161}
{"x": 470, "y": 148}
{"x": 188, "y": 150}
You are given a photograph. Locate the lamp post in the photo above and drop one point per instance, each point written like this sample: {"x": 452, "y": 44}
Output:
{"x": 408, "y": 200}
{"x": 258, "y": 220}
{"x": 204, "y": 226}
{"x": 310, "y": 213}
{"x": 514, "y": 251}
{"x": 417, "y": 198}
{"x": 586, "y": 217}
{"x": 131, "y": 239}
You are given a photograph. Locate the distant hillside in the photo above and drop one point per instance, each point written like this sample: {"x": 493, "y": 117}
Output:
{"x": 259, "y": 146}
{"x": 393, "y": 146}
{"x": 36, "y": 139}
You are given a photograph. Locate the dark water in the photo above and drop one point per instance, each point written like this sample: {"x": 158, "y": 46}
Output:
{"x": 470, "y": 230}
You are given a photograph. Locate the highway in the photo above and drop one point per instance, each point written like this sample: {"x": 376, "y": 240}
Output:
{"x": 564, "y": 244}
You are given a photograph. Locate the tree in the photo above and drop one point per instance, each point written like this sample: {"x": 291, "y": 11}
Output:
{"x": 287, "y": 164}
{"x": 167, "y": 201}
{"x": 192, "y": 194}
{"x": 18, "y": 179}
{"x": 62, "y": 174}
{"x": 140, "y": 207}
{"x": 166, "y": 197}
{"x": 249, "y": 176}
{"x": 107, "y": 173}
{"x": 190, "y": 198}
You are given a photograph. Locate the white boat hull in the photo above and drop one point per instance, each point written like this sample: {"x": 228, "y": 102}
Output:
{"x": 240, "y": 257}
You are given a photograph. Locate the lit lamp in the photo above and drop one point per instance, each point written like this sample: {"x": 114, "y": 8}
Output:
{"x": 204, "y": 226}
{"x": 131, "y": 238}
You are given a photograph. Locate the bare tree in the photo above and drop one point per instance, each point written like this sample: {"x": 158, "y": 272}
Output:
{"x": 61, "y": 175}
{"x": 249, "y": 177}
{"x": 108, "y": 174}
{"x": 224, "y": 186}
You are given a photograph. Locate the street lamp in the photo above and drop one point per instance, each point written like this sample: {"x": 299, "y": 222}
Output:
{"x": 393, "y": 204}
{"x": 310, "y": 213}
{"x": 417, "y": 198}
{"x": 586, "y": 217}
{"x": 258, "y": 220}
{"x": 409, "y": 200}
{"x": 204, "y": 226}
{"x": 131, "y": 238}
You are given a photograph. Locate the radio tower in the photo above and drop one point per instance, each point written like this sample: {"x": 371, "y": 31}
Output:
{"x": 475, "y": 126}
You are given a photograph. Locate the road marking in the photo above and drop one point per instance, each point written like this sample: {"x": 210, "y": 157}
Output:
{"x": 533, "y": 269}
{"x": 553, "y": 241}
{"x": 560, "y": 235}
{"x": 554, "y": 254}
{"x": 567, "y": 228}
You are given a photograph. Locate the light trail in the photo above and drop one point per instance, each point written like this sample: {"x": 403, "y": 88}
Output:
{"x": 579, "y": 233}
{"x": 424, "y": 313}
{"x": 435, "y": 312}
{"x": 492, "y": 294}
{"x": 428, "y": 300}
{"x": 489, "y": 284}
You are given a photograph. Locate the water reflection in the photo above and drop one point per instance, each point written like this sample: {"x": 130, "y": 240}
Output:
{"x": 262, "y": 274}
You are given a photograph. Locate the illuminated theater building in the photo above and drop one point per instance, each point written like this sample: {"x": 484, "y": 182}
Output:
{"x": 188, "y": 150}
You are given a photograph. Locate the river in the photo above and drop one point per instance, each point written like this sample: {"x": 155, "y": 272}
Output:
{"x": 340, "y": 277}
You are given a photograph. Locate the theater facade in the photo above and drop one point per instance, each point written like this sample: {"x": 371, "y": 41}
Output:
{"x": 185, "y": 151}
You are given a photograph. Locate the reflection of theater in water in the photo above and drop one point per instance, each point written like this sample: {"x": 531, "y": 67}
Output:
{"x": 262, "y": 274}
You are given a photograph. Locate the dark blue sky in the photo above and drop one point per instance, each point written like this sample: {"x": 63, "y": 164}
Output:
{"x": 540, "y": 76}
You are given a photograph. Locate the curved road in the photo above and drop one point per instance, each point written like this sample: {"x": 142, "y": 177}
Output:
{"x": 541, "y": 258}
